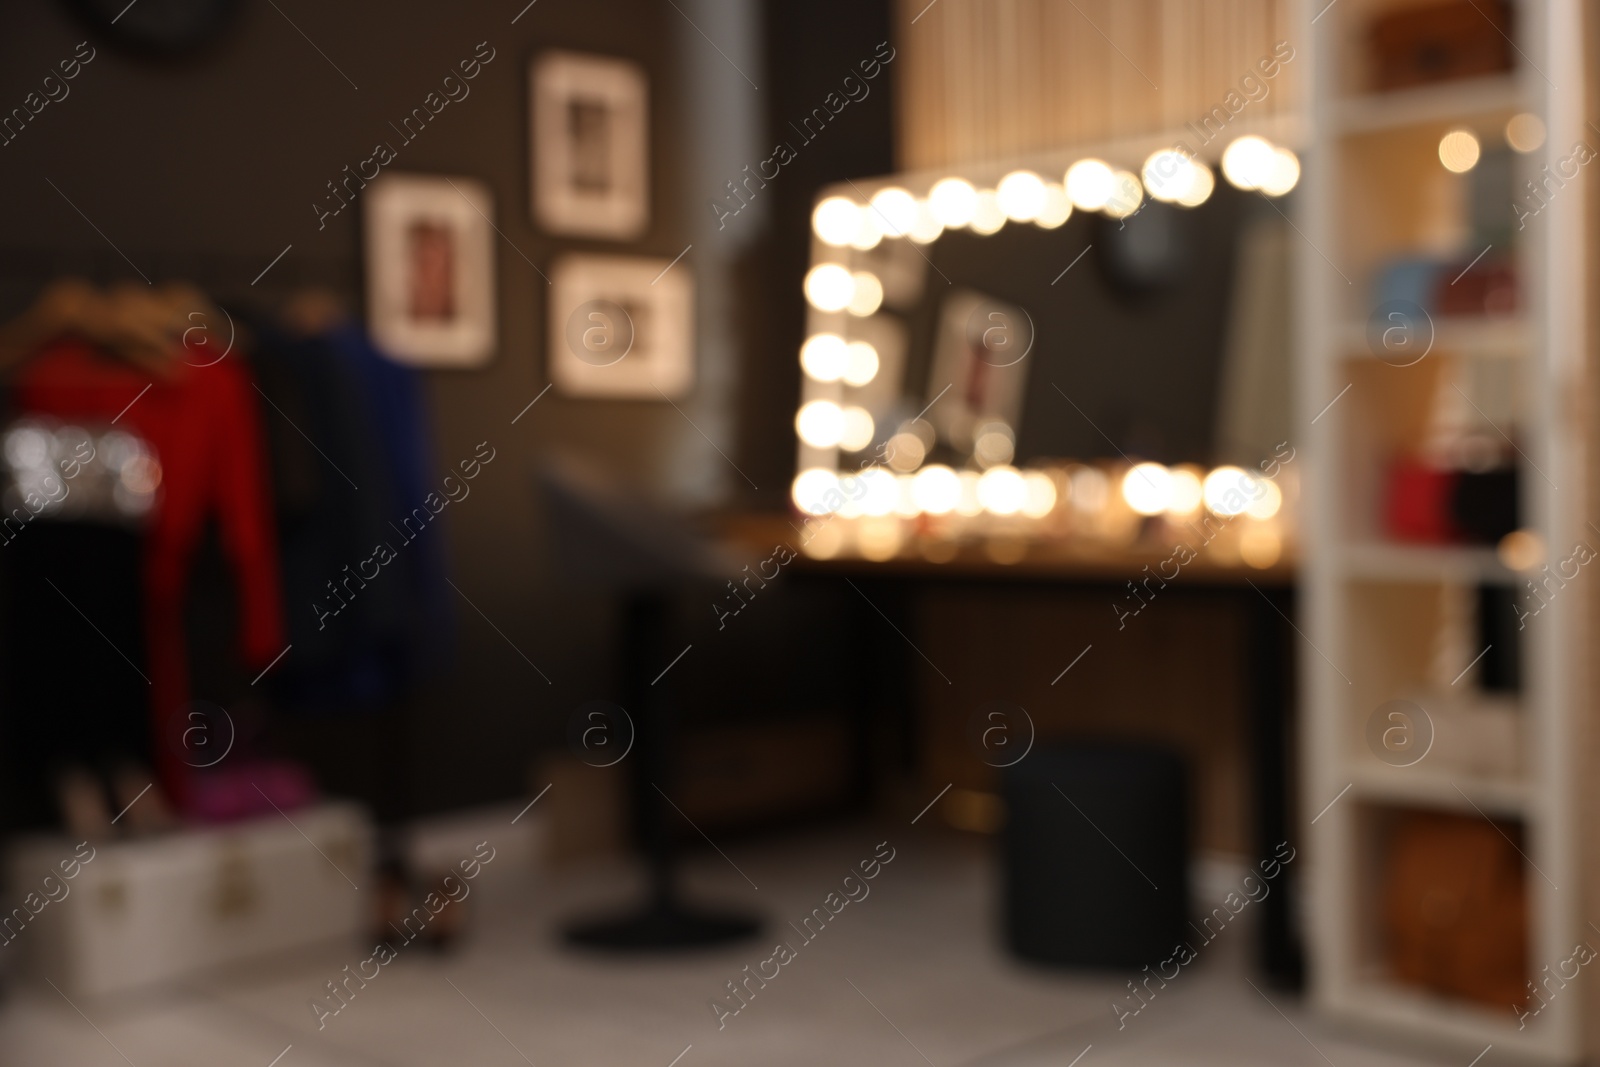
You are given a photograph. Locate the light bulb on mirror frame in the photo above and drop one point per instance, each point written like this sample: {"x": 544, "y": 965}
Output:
{"x": 829, "y": 287}
{"x": 927, "y": 228}
{"x": 969, "y": 505}
{"x": 869, "y": 231}
{"x": 1268, "y": 501}
{"x": 1147, "y": 488}
{"x": 1057, "y": 207}
{"x": 953, "y": 202}
{"x": 1188, "y": 491}
{"x": 1089, "y": 184}
{"x": 1090, "y": 490}
{"x": 858, "y": 429}
{"x": 810, "y": 490}
{"x": 988, "y": 218}
{"x": 1168, "y": 175}
{"x": 867, "y": 295}
{"x": 1203, "y": 184}
{"x": 860, "y": 363}
{"x": 1002, "y": 490}
{"x": 1228, "y": 490}
{"x": 1247, "y": 162}
{"x": 936, "y": 489}
{"x": 1041, "y": 494}
{"x": 906, "y": 505}
{"x": 896, "y": 209}
{"x": 883, "y": 492}
{"x": 1126, "y": 196}
{"x": 824, "y": 357}
{"x": 1284, "y": 173}
{"x": 820, "y": 423}
{"x": 1021, "y": 195}
{"x": 835, "y": 220}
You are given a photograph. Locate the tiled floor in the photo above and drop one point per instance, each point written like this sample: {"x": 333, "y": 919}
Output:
{"x": 911, "y": 974}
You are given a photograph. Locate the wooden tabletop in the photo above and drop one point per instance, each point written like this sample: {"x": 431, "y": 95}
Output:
{"x": 1038, "y": 559}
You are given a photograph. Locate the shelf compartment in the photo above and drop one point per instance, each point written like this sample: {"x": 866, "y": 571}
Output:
{"x": 1441, "y": 919}
{"x": 1440, "y": 790}
{"x": 1467, "y": 102}
{"x": 1378, "y": 1000}
{"x": 1490, "y": 337}
{"x": 1428, "y": 643}
{"x": 1379, "y": 561}
{"x": 1385, "y": 414}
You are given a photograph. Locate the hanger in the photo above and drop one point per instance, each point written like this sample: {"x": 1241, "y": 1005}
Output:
{"x": 143, "y": 325}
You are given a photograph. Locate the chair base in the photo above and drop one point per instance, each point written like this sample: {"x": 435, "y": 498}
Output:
{"x": 662, "y": 928}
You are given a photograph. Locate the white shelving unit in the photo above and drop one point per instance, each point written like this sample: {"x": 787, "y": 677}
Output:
{"x": 1368, "y": 603}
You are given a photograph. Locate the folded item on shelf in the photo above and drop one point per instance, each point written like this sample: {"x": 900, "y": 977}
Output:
{"x": 1412, "y": 280}
{"x": 1467, "y": 288}
{"x": 1441, "y": 42}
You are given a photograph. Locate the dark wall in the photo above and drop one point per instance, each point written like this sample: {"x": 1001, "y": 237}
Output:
{"x": 208, "y": 167}
{"x": 810, "y": 48}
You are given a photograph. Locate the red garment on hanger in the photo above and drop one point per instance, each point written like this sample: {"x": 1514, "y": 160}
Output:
{"x": 203, "y": 428}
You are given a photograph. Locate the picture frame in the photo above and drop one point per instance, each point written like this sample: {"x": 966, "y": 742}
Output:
{"x": 590, "y": 146}
{"x": 429, "y": 245}
{"x": 621, "y": 327}
{"x": 979, "y": 354}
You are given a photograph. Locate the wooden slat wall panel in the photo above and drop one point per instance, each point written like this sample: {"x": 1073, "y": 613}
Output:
{"x": 984, "y": 80}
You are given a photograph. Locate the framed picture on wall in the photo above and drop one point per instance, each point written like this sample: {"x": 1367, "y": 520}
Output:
{"x": 430, "y": 269}
{"x": 621, "y": 327}
{"x": 590, "y": 145}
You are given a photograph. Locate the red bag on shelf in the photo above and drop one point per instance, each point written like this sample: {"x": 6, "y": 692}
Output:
{"x": 1416, "y": 503}
{"x": 1476, "y": 289}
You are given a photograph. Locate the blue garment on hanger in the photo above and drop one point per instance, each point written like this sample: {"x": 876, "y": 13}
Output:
{"x": 395, "y": 399}
{"x": 360, "y": 640}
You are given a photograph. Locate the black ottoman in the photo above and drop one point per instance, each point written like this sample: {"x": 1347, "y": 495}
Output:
{"x": 1096, "y": 855}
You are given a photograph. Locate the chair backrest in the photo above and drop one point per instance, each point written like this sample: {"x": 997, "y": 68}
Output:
{"x": 605, "y": 536}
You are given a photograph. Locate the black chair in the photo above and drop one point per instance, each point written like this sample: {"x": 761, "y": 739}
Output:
{"x": 1095, "y": 855}
{"x": 608, "y": 541}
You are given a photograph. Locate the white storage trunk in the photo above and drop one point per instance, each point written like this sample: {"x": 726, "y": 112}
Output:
{"x": 167, "y": 907}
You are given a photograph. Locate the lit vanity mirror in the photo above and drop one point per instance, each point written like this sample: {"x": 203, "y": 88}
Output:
{"x": 1062, "y": 357}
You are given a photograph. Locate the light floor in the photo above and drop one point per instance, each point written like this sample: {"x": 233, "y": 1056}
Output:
{"x": 911, "y": 975}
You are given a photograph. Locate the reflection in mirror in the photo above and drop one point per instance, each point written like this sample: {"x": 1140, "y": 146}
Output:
{"x": 1036, "y": 365}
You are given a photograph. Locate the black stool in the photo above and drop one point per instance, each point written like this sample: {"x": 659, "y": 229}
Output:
{"x": 1096, "y": 855}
